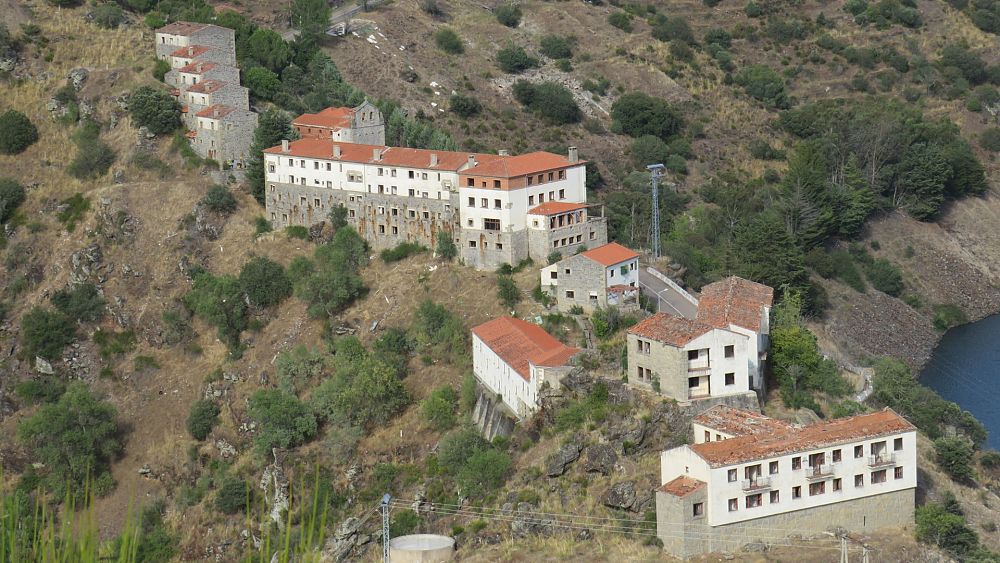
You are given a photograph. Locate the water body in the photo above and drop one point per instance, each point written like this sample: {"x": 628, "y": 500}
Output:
{"x": 965, "y": 368}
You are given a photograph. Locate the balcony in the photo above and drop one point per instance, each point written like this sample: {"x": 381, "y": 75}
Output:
{"x": 699, "y": 365}
{"x": 882, "y": 460}
{"x": 819, "y": 472}
{"x": 757, "y": 484}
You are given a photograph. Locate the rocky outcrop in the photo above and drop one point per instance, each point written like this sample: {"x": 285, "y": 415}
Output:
{"x": 562, "y": 459}
{"x": 77, "y": 77}
{"x": 600, "y": 458}
{"x": 86, "y": 265}
{"x": 527, "y": 521}
{"x": 275, "y": 486}
{"x": 621, "y": 496}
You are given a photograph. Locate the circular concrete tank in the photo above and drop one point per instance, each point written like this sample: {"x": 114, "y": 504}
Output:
{"x": 421, "y": 548}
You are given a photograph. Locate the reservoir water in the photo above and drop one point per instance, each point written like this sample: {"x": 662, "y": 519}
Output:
{"x": 965, "y": 368}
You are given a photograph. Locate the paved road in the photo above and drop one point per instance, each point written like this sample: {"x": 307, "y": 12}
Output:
{"x": 669, "y": 300}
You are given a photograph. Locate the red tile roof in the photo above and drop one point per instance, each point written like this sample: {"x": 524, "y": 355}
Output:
{"x": 675, "y": 331}
{"x": 739, "y": 422}
{"x": 217, "y": 111}
{"x": 621, "y": 288}
{"x": 556, "y": 207}
{"x": 802, "y": 439}
{"x": 197, "y": 67}
{"x": 190, "y": 51}
{"x": 682, "y": 486}
{"x": 734, "y": 301}
{"x": 518, "y": 342}
{"x": 182, "y": 28}
{"x": 521, "y": 165}
{"x": 207, "y": 86}
{"x": 331, "y": 118}
{"x": 610, "y": 254}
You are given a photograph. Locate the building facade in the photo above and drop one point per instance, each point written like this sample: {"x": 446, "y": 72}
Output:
{"x": 220, "y": 133}
{"x": 394, "y": 194}
{"x": 687, "y": 360}
{"x": 362, "y": 124}
{"x": 211, "y": 93}
{"x": 515, "y": 359}
{"x": 857, "y": 473}
{"x": 603, "y": 276}
{"x": 173, "y": 36}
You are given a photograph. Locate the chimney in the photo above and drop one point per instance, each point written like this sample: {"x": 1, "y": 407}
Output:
{"x": 376, "y": 154}
{"x": 198, "y": 68}
{"x": 190, "y": 51}
{"x": 284, "y": 145}
{"x": 472, "y": 160}
{"x": 336, "y": 151}
{"x": 434, "y": 159}
{"x": 574, "y": 156}
{"x": 503, "y": 152}
{"x": 215, "y": 111}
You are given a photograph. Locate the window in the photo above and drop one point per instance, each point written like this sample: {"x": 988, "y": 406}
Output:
{"x": 530, "y": 180}
{"x": 270, "y": 167}
{"x": 315, "y": 165}
{"x": 328, "y": 168}
{"x": 562, "y": 194}
{"x": 350, "y": 213}
{"x": 732, "y": 475}
{"x": 392, "y": 172}
{"x": 772, "y": 468}
{"x": 472, "y": 244}
{"x": 423, "y": 176}
{"x": 797, "y": 492}
{"x": 796, "y": 463}
{"x": 730, "y": 379}
{"x": 381, "y": 229}
{"x": 380, "y": 172}
{"x": 472, "y": 200}
{"x": 499, "y": 246}
{"x": 395, "y": 212}
{"x": 395, "y": 230}
{"x": 692, "y": 382}
{"x": 775, "y": 497}
{"x": 541, "y": 198}
{"x": 496, "y": 184}
{"x": 471, "y": 182}
{"x": 898, "y": 473}
{"x": 733, "y": 504}
{"x": 836, "y": 484}
{"x": 698, "y": 509}
{"x": 491, "y": 224}
{"x": 708, "y": 435}
{"x": 315, "y": 202}
{"x": 878, "y": 476}
{"x": 593, "y": 235}
{"x": 411, "y": 176}
{"x": 302, "y": 163}
{"x": 753, "y": 501}
{"x": 484, "y": 202}
{"x": 730, "y": 351}
{"x": 859, "y": 480}
{"x": 570, "y": 294}
{"x": 692, "y": 355}
{"x": 551, "y": 176}
{"x": 496, "y": 204}
{"x": 410, "y": 192}
{"x": 531, "y": 198}
{"x": 817, "y": 488}
{"x": 897, "y": 444}
{"x": 859, "y": 451}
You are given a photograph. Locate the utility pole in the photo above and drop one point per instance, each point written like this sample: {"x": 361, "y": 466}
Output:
{"x": 843, "y": 550}
{"x": 385, "y": 527}
{"x": 656, "y": 172}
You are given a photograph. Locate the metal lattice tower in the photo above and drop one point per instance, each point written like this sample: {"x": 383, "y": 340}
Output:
{"x": 385, "y": 527}
{"x": 656, "y": 172}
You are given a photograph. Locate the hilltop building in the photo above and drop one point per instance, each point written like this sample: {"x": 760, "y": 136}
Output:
{"x": 604, "y": 276}
{"x": 493, "y": 206}
{"x": 514, "y": 359}
{"x": 761, "y": 478}
{"x": 719, "y": 353}
{"x": 363, "y": 125}
{"x": 206, "y": 82}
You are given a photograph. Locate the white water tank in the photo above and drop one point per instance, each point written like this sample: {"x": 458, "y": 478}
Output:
{"x": 421, "y": 548}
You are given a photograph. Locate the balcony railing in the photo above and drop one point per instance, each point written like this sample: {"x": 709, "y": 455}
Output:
{"x": 699, "y": 365}
{"x": 882, "y": 460}
{"x": 817, "y": 472}
{"x": 757, "y": 484}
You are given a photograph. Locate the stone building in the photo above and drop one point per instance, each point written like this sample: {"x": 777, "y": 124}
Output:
{"x": 173, "y": 36}
{"x": 515, "y": 359}
{"x": 363, "y": 125}
{"x": 187, "y": 76}
{"x": 220, "y": 133}
{"x": 771, "y": 480}
{"x": 212, "y": 93}
{"x": 184, "y": 56}
{"x": 487, "y": 203}
{"x": 604, "y": 276}
{"x": 687, "y": 360}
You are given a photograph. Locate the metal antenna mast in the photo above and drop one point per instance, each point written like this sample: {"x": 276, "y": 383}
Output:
{"x": 385, "y": 527}
{"x": 656, "y": 172}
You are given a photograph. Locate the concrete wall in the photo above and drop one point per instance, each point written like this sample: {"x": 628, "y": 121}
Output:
{"x": 685, "y": 536}
{"x": 518, "y": 394}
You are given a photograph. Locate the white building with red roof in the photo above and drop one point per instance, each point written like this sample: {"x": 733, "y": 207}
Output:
{"x": 362, "y": 124}
{"x": 515, "y": 359}
{"x": 770, "y": 479}
{"x": 603, "y": 276}
{"x": 493, "y": 206}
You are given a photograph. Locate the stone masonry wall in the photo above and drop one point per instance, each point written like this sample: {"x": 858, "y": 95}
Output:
{"x": 501, "y": 247}
{"x": 585, "y": 277}
{"x": 685, "y": 536}
{"x": 669, "y": 364}
{"x": 540, "y": 242}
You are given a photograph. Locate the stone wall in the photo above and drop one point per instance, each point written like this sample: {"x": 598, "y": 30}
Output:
{"x": 685, "y": 536}
{"x": 748, "y": 401}
{"x": 493, "y": 248}
{"x": 663, "y": 360}
{"x": 585, "y": 277}
{"x": 592, "y": 233}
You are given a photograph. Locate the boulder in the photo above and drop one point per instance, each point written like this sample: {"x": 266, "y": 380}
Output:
{"x": 77, "y": 77}
{"x": 620, "y": 495}
{"x": 528, "y": 523}
{"x": 600, "y": 458}
{"x": 562, "y": 459}
{"x": 43, "y": 367}
{"x": 85, "y": 263}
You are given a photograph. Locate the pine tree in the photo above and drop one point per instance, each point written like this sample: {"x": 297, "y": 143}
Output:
{"x": 273, "y": 127}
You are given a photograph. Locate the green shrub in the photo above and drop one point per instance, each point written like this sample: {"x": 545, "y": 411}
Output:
{"x": 111, "y": 343}
{"x": 261, "y": 226}
{"x": 80, "y": 303}
{"x": 954, "y": 456}
{"x": 884, "y": 276}
{"x": 401, "y": 251}
{"x": 297, "y": 231}
{"x": 448, "y": 41}
{"x": 282, "y": 420}
{"x": 108, "y": 15}
{"x": 438, "y": 331}
{"x": 234, "y": 496}
{"x": 74, "y": 208}
{"x": 11, "y": 197}
{"x": 445, "y": 247}
{"x": 764, "y": 84}
{"x": 464, "y": 106}
{"x": 556, "y": 46}
{"x": 331, "y": 281}
{"x": 439, "y": 407}
{"x": 219, "y": 301}
{"x": 43, "y": 389}
{"x": 404, "y": 522}
{"x": 514, "y": 59}
{"x": 17, "y": 133}
{"x": 675, "y": 29}
{"x": 45, "y": 333}
{"x": 990, "y": 139}
{"x": 990, "y": 460}
{"x": 621, "y": 20}
{"x": 508, "y": 14}
{"x": 297, "y": 367}
{"x": 648, "y": 149}
{"x": 160, "y": 70}
{"x": 720, "y": 37}
{"x": 155, "y": 109}
{"x": 477, "y": 466}
{"x": 366, "y": 391}
{"x": 551, "y": 100}
{"x": 202, "y": 419}
{"x": 219, "y": 199}
{"x": 554, "y": 257}
{"x": 637, "y": 114}
{"x": 508, "y": 292}
{"x": 93, "y": 156}
{"x": 763, "y": 150}
{"x": 938, "y": 526}
{"x": 265, "y": 282}
{"x": 948, "y": 315}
